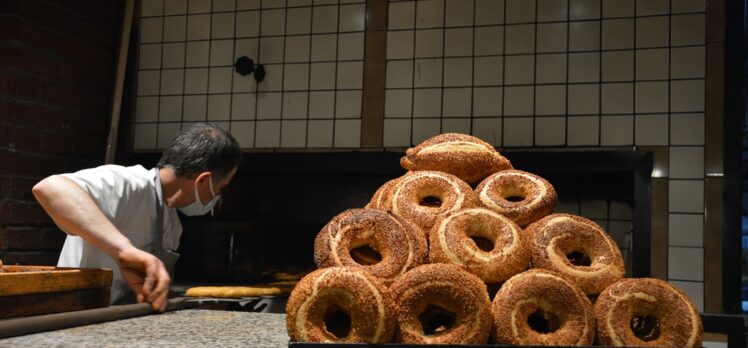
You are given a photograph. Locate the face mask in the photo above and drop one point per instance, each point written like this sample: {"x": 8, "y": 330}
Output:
{"x": 197, "y": 207}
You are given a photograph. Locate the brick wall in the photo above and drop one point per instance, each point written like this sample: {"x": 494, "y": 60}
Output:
{"x": 57, "y": 61}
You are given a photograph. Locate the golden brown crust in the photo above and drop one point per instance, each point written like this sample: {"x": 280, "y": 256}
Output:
{"x": 540, "y": 291}
{"x": 362, "y": 297}
{"x": 381, "y": 196}
{"x": 539, "y": 196}
{"x": 406, "y": 198}
{"x": 401, "y": 244}
{"x": 234, "y": 291}
{"x": 556, "y": 236}
{"x": 465, "y": 156}
{"x": 678, "y": 321}
{"x": 451, "y": 288}
{"x": 450, "y": 242}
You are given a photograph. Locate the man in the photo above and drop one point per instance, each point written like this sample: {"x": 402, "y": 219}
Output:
{"x": 125, "y": 218}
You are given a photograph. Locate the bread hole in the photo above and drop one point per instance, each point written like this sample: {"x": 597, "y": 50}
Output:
{"x": 513, "y": 193}
{"x": 515, "y": 199}
{"x": 543, "y": 322}
{"x": 337, "y": 323}
{"x": 436, "y": 320}
{"x": 366, "y": 255}
{"x": 578, "y": 258}
{"x": 431, "y": 201}
{"x": 482, "y": 243}
{"x": 646, "y": 328}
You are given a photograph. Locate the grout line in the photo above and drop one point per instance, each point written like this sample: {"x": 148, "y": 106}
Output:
{"x": 232, "y": 72}
{"x": 535, "y": 79}
{"x": 184, "y": 66}
{"x": 283, "y": 80}
{"x": 501, "y": 142}
{"x": 568, "y": 39}
{"x": 309, "y": 78}
{"x": 635, "y": 83}
{"x": 257, "y": 85}
{"x": 335, "y": 94}
{"x": 210, "y": 46}
{"x": 160, "y": 77}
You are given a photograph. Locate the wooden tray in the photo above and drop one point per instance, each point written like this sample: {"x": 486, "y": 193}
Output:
{"x": 33, "y": 290}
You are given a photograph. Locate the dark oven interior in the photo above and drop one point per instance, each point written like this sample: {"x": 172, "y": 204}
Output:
{"x": 272, "y": 211}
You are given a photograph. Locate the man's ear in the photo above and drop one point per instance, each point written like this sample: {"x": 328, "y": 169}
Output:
{"x": 203, "y": 176}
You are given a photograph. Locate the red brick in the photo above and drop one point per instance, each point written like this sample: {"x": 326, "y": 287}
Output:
{"x": 42, "y": 116}
{"x": 29, "y": 258}
{"x": 61, "y": 93}
{"x": 6, "y": 158}
{"x": 74, "y": 144}
{"x": 34, "y": 165}
{"x": 5, "y": 185}
{"x": 10, "y": 28}
{"x": 35, "y": 36}
{"x": 52, "y": 17}
{"x": 10, "y": 6}
{"x": 32, "y": 63}
{"x": 32, "y": 238}
{"x": 5, "y": 135}
{"x": 26, "y": 88}
{"x": 26, "y": 214}
{"x": 5, "y": 109}
{"x": 20, "y": 189}
{"x": 7, "y": 82}
{"x": 27, "y": 139}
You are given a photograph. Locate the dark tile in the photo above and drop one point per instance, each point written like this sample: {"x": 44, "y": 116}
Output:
{"x": 659, "y": 231}
{"x": 715, "y": 101}
{"x": 713, "y": 245}
{"x": 715, "y": 21}
{"x": 376, "y": 14}
{"x": 372, "y": 114}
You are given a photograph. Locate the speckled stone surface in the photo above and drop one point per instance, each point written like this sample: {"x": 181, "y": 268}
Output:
{"x": 185, "y": 328}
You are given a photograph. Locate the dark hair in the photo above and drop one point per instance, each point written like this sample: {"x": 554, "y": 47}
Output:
{"x": 204, "y": 147}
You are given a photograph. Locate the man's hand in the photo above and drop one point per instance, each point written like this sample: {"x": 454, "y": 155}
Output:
{"x": 146, "y": 275}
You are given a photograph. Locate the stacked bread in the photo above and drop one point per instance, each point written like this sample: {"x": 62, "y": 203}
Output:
{"x": 420, "y": 263}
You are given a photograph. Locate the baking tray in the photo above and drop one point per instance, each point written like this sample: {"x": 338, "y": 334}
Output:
{"x": 405, "y": 345}
{"x": 731, "y": 325}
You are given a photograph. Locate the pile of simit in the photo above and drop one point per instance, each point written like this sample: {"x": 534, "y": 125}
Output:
{"x": 420, "y": 262}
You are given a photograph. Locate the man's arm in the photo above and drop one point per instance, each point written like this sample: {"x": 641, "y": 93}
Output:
{"x": 74, "y": 211}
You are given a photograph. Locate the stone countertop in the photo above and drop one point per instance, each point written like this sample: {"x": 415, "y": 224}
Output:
{"x": 185, "y": 328}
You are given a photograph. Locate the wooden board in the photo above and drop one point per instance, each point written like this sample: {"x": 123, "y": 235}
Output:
{"x": 35, "y": 290}
{"x": 55, "y": 302}
{"x": 25, "y": 280}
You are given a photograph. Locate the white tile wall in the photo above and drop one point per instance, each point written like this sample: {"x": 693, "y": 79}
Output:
{"x": 313, "y": 56}
{"x": 517, "y": 73}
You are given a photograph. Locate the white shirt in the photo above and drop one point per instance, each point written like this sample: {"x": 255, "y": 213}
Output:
{"x": 129, "y": 197}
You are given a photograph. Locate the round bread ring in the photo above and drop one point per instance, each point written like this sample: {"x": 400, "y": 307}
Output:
{"x": 451, "y": 242}
{"x": 539, "y": 307}
{"x": 465, "y": 156}
{"x": 661, "y": 314}
{"x": 407, "y": 196}
{"x": 400, "y": 244}
{"x": 598, "y": 261}
{"x": 428, "y": 291}
{"x": 381, "y": 196}
{"x": 333, "y": 293}
{"x": 538, "y": 195}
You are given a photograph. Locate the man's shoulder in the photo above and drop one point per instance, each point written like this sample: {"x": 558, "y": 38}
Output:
{"x": 136, "y": 175}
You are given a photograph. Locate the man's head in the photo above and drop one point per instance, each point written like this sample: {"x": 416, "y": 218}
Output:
{"x": 204, "y": 147}
{"x": 204, "y": 159}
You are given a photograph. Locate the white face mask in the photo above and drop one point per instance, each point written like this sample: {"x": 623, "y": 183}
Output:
{"x": 197, "y": 207}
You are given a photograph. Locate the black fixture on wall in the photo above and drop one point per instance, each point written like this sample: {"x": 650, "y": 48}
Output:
{"x": 245, "y": 66}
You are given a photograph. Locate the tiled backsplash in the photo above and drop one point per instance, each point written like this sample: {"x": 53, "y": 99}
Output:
{"x": 545, "y": 73}
{"x": 516, "y": 73}
{"x": 312, "y": 52}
